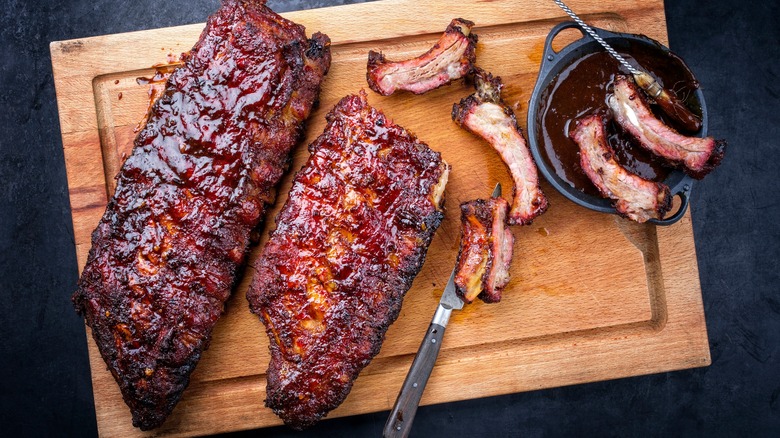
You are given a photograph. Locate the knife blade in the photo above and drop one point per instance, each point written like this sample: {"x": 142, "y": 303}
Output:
{"x": 399, "y": 423}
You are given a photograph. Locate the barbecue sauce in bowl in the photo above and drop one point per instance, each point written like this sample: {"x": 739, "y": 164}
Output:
{"x": 581, "y": 89}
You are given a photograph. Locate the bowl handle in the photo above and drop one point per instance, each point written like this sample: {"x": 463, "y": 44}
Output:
{"x": 558, "y": 28}
{"x": 550, "y": 54}
{"x": 685, "y": 196}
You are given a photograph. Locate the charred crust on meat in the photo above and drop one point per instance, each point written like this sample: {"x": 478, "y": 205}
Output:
{"x": 485, "y": 253}
{"x": 174, "y": 236}
{"x": 488, "y": 86}
{"x": 665, "y": 199}
{"x": 712, "y": 162}
{"x": 374, "y": 59}
{"x": 450, "y": 58}
{"x": 328, "y": 286}
{"x": 486, "y": 115}
{"x": 632, "y": 196}
{"x": 488, "y": 89}
{"x": 319, "y": 47}
{"x": 630, "y": 108}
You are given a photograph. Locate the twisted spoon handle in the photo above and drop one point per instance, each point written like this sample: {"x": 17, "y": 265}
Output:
{"x": 669, "y": 103}
{"x": 596, "y": 37}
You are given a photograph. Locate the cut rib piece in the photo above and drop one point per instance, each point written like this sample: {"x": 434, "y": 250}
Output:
{"x": 485, "y": 250}
{"x": 348, "y": 243}
{"x": 485, "y": 114}
{"x": 697, "y": 156}
{"x": 165, "y": 254}
{"x": 451, "y": 58}
{"x": 634, "y": 197}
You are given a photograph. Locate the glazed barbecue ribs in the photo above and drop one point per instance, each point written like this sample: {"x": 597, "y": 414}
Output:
{"x": 484, "y": 114}
{"x": 349, "y": 241}
{"x": 451, "y": 58}
{"x": 165, "y": 254}
{"x": 485, "y": 255}
{"x": 633, "y": 196}
{"x": 696, "y": 156}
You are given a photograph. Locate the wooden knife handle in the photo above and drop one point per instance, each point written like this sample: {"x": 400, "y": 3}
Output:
{"x": 676, "y": 109}
{"x": 671, "y": 105}
{"x": 401, "y": 417}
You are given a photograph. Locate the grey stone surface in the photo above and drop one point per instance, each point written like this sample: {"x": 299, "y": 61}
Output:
{"x": 733, "y": 47}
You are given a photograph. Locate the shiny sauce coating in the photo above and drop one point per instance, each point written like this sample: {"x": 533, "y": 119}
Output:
{"x": 349, "y": 241}
{"x": 166, "y": 252}
{"x": 581, "y": 89}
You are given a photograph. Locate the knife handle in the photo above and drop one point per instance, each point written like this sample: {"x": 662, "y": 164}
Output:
{"x": 671, "y": 105}
{"x": 676, "y": 109}
{"x": 401, "y": 417}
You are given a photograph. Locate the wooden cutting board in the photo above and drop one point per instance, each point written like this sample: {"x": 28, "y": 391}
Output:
{"x": 592, "y": 296}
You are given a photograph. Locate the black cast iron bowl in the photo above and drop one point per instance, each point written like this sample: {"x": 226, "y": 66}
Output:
{"x": 553, "y": 63}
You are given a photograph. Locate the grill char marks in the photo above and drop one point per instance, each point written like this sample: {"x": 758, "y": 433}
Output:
{"x": 165, "y": 254}
{"x": 696, "y": 156}
{"x": 486, "y": 115}
{"x": 634, "y": 197}
{"x": 349, "y": 241}
{"x": 451, "y": 58}
{"x": 485, "y": 250}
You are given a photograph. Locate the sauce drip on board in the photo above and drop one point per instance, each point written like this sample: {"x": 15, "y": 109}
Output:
{"x": 581, "y": 89}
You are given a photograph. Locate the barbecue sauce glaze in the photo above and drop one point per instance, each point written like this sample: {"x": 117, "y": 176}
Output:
{"x": 581, "y": 89}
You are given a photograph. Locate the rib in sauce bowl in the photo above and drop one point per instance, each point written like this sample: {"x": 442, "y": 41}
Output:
{"x": 581, "y": 89}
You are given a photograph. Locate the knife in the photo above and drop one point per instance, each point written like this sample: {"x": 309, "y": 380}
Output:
{"x": 401, "y": 417}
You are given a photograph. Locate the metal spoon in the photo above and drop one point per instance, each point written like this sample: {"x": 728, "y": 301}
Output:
{"x": 669, "y": 103}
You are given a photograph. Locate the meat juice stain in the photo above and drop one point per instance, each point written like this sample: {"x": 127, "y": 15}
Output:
{"x": 172, "y": 59}
{"x": 581, "y": 89}
{"x": 535, "y": 54}
{"x": 556, "y": 290}
{"x": 160, "y": 76}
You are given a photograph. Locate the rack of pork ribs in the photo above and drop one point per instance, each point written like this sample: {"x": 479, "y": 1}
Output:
{"x": 165, "y": 254}
{"x": 348, "y": 243}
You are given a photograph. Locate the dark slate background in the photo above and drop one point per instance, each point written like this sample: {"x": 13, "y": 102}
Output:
{"x": 733, "y": 46}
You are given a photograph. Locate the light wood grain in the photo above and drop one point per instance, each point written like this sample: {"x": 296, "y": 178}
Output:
{"x": 592, "y": 296}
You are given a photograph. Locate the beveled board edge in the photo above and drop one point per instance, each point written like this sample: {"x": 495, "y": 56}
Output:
{"x": 521, "y": 366}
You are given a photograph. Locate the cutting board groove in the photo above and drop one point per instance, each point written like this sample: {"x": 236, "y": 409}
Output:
{"x": 592, "y": 296}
